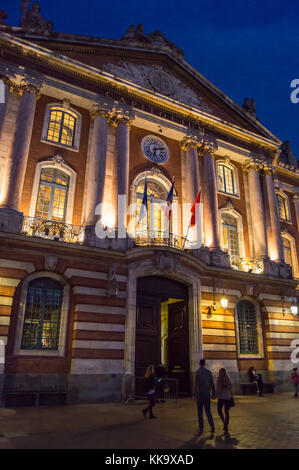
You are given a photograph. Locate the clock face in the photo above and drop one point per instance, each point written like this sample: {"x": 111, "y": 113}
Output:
{"x": 155, "y": 149}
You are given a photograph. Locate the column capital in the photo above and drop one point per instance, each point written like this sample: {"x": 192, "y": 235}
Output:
{"x": 99, "y": 110}
{"x": 190, "y": 141}
{"x": 269, "y": 169}
{"x": 296, "y": 196}
{"x": 208, "y": 147}
{"x": 118, "y": 116}
{"x": 253, "y": 163}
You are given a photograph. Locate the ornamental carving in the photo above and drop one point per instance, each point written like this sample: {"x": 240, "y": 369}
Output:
{"x": 156, "y": 78}
{"x": 254, "y": 163}
{"x": 191, "y": 141}
{"x": 33, "y": 21}
{"x": 208, "y": 147}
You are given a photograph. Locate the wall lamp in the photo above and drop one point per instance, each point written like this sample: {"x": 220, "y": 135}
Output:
{"x": 224, "y": 302}
{"x": 294, "y": 307}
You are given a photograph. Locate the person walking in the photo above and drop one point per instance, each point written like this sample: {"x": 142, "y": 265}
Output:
{"x": 149, "y": 385}
{"x": 295, "y": 380}
{"x": 224, "y": 394}
{"x": 204, "y": 387}
{"x": 257, "y": 378}
{"x": 160, "y": 374}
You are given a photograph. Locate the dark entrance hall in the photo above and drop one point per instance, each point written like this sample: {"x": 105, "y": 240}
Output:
{"x": 162, "y": 333}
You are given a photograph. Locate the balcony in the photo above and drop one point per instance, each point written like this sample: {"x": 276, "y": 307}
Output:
{"x": 158, "y": 238}
{"x": 255, "y": 266}
{"x": 52, "y": 230}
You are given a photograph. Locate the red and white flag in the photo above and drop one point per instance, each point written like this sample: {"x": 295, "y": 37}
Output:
{"x": 193, "y": 210}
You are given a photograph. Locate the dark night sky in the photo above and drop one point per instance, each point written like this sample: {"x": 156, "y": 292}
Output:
{"x": 245, "y": 47}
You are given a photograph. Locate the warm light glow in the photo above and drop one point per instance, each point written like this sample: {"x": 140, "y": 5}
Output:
{"x": 108, "y": 220}
{"x": 224, "y": 302}
{"x": 294, "y": 309}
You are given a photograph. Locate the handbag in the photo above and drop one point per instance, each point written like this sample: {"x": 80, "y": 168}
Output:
{"x": 232, "y": 402}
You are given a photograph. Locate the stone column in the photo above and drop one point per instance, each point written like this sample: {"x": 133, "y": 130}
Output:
{"x": 122, "y": 120}
{"x": 190, "y": 145}
{"x": 257, "y": 208}
{"x": 3, "y": 106}
{"x": 96, "y": 171}
{"x": 10, "y": 217}
{"x": 274, "y": 239}
{"x": 210, "y": 201}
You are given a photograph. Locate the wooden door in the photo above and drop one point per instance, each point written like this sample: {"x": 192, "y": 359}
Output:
{"x": 148, "y": 333}
{"x": 178, "y": 345}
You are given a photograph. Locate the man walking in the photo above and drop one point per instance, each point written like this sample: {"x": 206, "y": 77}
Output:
{"x": 204, "y": 385}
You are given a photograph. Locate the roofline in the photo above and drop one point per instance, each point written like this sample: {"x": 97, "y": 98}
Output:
{"x": 24, "y": 47}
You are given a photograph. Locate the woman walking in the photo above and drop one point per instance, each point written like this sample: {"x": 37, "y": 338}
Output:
{"x": 295, "y": 380}
{"x": 150, "y": 391}
{"x": 224, "y": 394}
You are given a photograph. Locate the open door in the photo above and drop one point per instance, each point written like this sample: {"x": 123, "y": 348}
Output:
{"x": 178, "y": 345}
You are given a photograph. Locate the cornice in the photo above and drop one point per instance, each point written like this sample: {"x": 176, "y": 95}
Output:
{"x": 20, "y": 47}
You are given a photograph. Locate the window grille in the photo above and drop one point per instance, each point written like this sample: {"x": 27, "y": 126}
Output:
{"x": 247, "y": 323}
{"x": 42, "y": 315}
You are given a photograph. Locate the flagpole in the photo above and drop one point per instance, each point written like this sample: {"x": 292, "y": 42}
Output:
{"x": 147, "y": 221}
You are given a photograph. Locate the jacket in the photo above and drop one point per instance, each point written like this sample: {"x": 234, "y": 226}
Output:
{"x": 223, "y": 393}
{"x": 149, "y": 383}
{"x": 204, "y": 382}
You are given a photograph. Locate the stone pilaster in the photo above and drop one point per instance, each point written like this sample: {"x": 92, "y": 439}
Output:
{"x": 253, "y": 167}
{"x": 190, "y": 145}
{"x": 274, "y": 239}
{"x": 10, "y": 216}
{"x": 209, "y": 196}
{"x": 296, "y": 202}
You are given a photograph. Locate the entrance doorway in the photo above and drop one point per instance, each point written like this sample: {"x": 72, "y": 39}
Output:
{"x": 162, "y": 333}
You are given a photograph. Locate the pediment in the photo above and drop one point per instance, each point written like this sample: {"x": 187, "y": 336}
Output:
{"x": 158, "y": 79}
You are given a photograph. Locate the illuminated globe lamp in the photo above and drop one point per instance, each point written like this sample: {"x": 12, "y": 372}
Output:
{"x": 224, "y": 302}
{"x": 294, "y": 308}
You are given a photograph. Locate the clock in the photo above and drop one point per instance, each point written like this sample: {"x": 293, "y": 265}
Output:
{"x": 154, "y": 149}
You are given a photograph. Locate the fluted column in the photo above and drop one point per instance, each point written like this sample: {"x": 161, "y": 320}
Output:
{"x": 257, "y": 208}
{"x": 274, "y": 239}
{"x": 97, "y": 164}
{"x": 10, "y": 217}
{"x": 210, "y": 201}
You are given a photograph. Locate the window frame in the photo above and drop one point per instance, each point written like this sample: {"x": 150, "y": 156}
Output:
{"x": 62, "y": 166}
{"x": 77, "y": 129}
{"x": 53, "y": 187}
{"x": 60, "y": 352}
{"x": 241, "y": 243}
{"x": 286, "y": 204}
{"x": 235, "y": 177}
{"x": 294, "y": 256}
{"x": 257, "y": 309}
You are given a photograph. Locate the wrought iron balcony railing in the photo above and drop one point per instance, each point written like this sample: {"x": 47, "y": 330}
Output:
{"x": 160, "y": 238}
{"x": 52, "y": 230}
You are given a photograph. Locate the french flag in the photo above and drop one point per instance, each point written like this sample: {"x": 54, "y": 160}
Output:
{"x": 143, "y": 208}
{"x": 169, "y": 201}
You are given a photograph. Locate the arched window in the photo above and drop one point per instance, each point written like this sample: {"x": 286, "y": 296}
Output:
{"x": 41, "y": 328}
{"x": 62, "y": 126}
{"x": 247, "y": 328}
{"x": 52, "y": 195}
{"x": 230, "y": 234}
{"x": 156, "y": 197}
{"x": 226, "y": 176}
{"x": 283, "y": 207}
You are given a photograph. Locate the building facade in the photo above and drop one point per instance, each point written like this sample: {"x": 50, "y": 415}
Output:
{"x": 90, "y": 293}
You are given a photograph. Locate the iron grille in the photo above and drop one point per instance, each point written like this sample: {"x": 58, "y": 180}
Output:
{"x": 247, "y": 328}
{"x": 42, "y": 315}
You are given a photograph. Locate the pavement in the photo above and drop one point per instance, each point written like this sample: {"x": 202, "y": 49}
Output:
{"x": 269, "y": 422}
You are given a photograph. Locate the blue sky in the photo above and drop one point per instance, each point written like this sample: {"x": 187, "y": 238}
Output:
{"x": 245, "y": 47}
